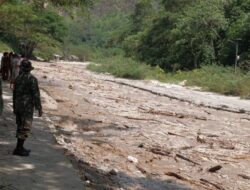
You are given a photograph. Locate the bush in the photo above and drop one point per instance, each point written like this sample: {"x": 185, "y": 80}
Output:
{"x": 217, "y": 79}
{"x": 121, "y": 67}
{"x": 213, "y": 78}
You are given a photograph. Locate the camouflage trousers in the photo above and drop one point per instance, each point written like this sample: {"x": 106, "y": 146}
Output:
{"x": 24, "y": 125}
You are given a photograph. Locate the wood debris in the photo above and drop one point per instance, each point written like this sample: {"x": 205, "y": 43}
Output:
{"x": 200, "y": 139}
{"x": 142, "y": 170}
{"x": 174, "y": 134}
{"x": 211, "y": 183}
{"x": 160, "y": 151}
{"x": 244, "y": 176}
{"x": 215, "y": 168}
{"x": 178, "y": 176}
{"x": 172, "y": 114}
{"x": 186, "y": 179}
{"x": 186, "y": 159}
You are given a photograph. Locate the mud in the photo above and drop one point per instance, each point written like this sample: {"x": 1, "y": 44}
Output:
{"x": 172, "y": 131}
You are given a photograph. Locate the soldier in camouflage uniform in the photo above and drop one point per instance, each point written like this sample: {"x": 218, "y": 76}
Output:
{"x": 1, "y": 97}
{"x": 26, "y": 97}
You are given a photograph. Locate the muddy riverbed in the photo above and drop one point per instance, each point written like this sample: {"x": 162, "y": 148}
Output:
{"x": 137, "y": 135}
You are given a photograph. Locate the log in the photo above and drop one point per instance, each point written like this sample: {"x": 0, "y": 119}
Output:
{"x": 186, "y": 159}
{"x": 178, "y": 176}
{"x": 193, "y": 182}
{"x": 174, "y": 134}
{"x": 213, "y": 184}
{"x": 142, "y": 170}
{"x": 160, "y": 151}
{"x": 172, "y": 114}
{"x": 244, "y": 176}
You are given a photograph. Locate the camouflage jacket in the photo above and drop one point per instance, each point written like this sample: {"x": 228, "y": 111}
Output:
{"x": 1, "y": 97}
{"x": 26, "y": 95}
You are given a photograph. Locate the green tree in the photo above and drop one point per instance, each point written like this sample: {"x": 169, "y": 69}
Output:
{"x": 186, "y": 38}
{"x": 25, "y": 28}
{"x": 199, "y": 29}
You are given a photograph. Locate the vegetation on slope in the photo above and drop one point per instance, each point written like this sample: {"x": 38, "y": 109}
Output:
{"x": 168, "y": 40}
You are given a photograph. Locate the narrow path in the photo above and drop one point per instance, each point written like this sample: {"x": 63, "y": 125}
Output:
{"x": 46, "y": 168}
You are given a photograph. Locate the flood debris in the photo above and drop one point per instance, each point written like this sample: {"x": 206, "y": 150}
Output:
{"x": 177, "y": 176}
{"x": 217, "y": 186}
{"x": 244, "y": 176}
{"x": 70, "y": 86}
{"x": 172, "y": 114}
{"x": 187, "y": 159}
{"x": 201, "y": 139}
{"x": 160, "y": 151}
{"x": 215, "y": 168}
{"x": 174, "y": 134}
{"x": 132, "y": 159}
{"x": 145, "y": 131}
{"x": 141, "y": 169}
{"x": 113, "y": 172}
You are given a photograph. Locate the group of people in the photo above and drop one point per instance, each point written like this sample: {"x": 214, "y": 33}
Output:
{"x": 10, "y": 66}
{"x": 26, "y": 96}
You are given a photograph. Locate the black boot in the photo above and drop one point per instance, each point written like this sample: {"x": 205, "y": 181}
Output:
{"x": 20, "y": 150}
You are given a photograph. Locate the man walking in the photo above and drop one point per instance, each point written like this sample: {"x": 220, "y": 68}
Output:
{"x": 26, "y": 98}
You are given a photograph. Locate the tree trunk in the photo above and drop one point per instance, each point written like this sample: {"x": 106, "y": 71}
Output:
{"x": 215, "y": 51}
{"x": 27, "y": 49}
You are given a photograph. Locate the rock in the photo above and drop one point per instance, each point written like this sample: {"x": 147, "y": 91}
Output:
{"x": 73, "y": 58}
{"x": 200, "y": 139}
{"x": 215, "y": 168}
{"x": 141, "y": 145}
{"x": 88, "y": 182}
{"x": 39, "y": 59}
{"x": 113, "y": 172}
{"x": 133, "y": 159}
{"x": 183, "y": 83}
{"x": 56, "y": 57}
{"x": 70, "y": 86}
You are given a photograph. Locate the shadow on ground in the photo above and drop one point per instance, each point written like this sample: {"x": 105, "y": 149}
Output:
{"x": 45, "y": 169}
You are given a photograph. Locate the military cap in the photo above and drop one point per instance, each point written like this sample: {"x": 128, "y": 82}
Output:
{"x": 26, "y": 65}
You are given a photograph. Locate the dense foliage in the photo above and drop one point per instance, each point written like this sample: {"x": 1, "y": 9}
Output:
{"x": 172, "y": 34}
{"x": 33, "y": 28}
{"x": 138, "y": 38}
{"x": 190, "y": 33}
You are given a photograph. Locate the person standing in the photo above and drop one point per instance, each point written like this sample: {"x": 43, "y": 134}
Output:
{"x": 11, "y": 54}
{"x": 5, "y": 66}
{"x": 16, "y": 62}
{"x": 26, "y": 98}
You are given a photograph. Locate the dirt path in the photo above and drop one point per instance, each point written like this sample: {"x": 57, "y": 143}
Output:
{"x": 45, "y": 169}
{"x": 137, "y": 135}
